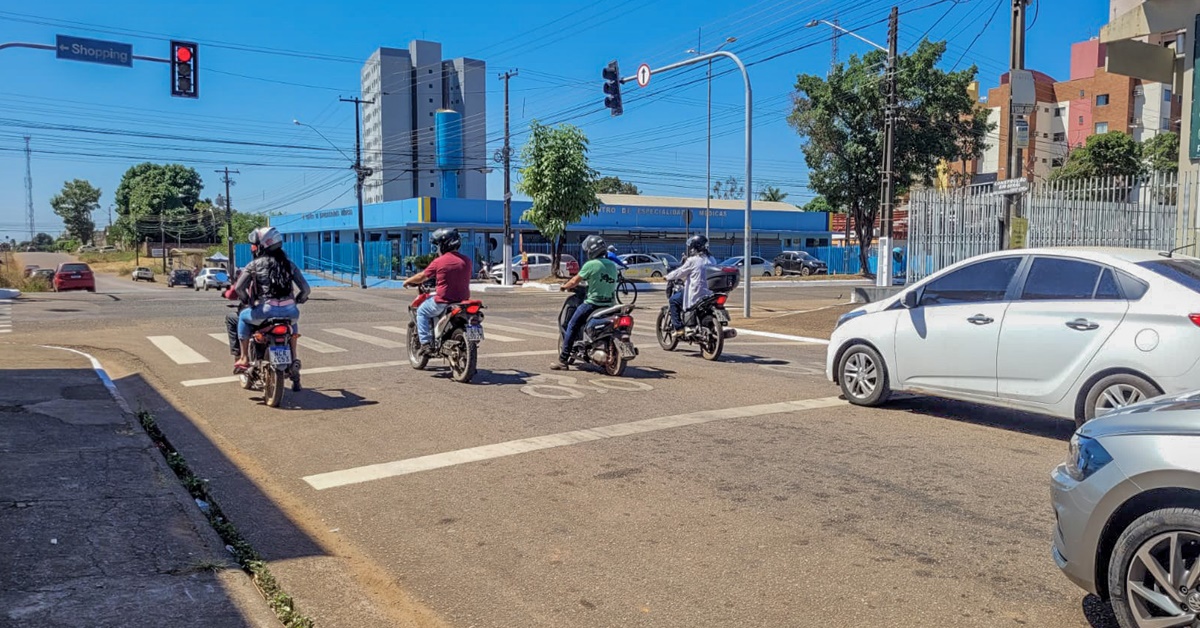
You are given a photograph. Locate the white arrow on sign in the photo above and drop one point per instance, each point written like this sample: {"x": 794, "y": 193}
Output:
{"x": 643, "y": 75}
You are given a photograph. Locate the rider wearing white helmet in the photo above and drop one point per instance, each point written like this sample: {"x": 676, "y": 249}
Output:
{"x": 266, "y": 286}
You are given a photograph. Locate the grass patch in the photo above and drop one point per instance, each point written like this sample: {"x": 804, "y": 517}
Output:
{"x": 120, "y": 263}
{"x": 12, "y": 276}
{"x": 245, "y": 555}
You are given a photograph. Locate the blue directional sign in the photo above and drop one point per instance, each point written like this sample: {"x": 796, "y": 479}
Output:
{"x": 93, "y": 50}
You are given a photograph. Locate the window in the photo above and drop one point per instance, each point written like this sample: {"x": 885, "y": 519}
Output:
{"x": 1058, "y": 111}
{"x": 1080, "y": 119}
{"x": 1061, "y": 136}
{"x": 1043, "y": 160}
{"x": 1101, "y": 127}
{"x": 1166, "y": 94}
{"x": 1107, "y": 287}
{"x": 1045, "y": 135}
{"x": 1081, "y": 94}
{"x": 1056, "y": 162}
{"x": 1185, "y": 272}
{"x": 1101, "y": 100}
{"x": 1056, "y": 279}
{"x": 979, "y": 282}
{"x": 1166, "y": 124}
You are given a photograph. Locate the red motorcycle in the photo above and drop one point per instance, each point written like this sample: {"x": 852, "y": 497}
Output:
{"x": 456, "y": 335}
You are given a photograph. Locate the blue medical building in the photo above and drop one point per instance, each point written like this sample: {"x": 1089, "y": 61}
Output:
{"x": 327, "y": 239}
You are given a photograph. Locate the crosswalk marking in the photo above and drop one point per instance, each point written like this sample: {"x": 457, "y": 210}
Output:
{"x": 520, "y": 330}
{"x": 176, "y": 350}
{"x": 367, "y": 338}
{"x": 5, "y": 317}
{"x": 488, "y": 335}
{"x": 318, "y": 346}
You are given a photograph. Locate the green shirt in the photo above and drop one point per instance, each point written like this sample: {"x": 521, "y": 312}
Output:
{"x": 601, "y": 277}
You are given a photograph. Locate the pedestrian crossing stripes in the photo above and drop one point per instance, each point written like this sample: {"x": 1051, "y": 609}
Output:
{"x": 367, "y": 338}
{"x": 5, "y": 317}
{"x": 487, "y": 330}
{"x": 176, "y": 350}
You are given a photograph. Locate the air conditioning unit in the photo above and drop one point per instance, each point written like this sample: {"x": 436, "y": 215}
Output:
{"x": 1138, "y": 90}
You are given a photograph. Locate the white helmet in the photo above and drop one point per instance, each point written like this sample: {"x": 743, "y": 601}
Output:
{"x": 265, "y": 239}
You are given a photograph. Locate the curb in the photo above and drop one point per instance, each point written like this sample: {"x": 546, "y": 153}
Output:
{"x": 771, "y": 334}
{"x": 102, "y": 374}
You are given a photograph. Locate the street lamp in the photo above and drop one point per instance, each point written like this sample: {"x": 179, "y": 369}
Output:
{"x": 883, "y": 254}
{"x": 708, "y": 158}
{"x": 360, "y": 173}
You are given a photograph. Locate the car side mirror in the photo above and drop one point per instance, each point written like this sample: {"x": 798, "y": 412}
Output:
{"x": 909, "y": 300}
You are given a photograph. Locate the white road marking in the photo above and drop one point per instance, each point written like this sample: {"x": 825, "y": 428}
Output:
{"x": 769, "y": 334}
{"x": 367, "y": 338}
{"x": 487, "y": 333}
{"x": 318, "y": 346}
{"x": 519, "y": 331}
{"x": 176, "y": 350}
{"x": 191, "y": 383}
{"x": 219, "y": 337}
{"x": 6, "y": 316}
{"x": 333, "y": 479}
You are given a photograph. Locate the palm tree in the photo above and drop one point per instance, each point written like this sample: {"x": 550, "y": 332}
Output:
{"x": 772, "y": 193}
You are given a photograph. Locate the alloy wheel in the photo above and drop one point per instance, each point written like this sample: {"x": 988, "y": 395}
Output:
{"x": 1160, "y": 585}
{"x": 1117, "y": 396}
{"x": 861, "y": 375}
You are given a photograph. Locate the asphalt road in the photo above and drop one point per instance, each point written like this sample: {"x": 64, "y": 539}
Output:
{"x": 687, "y": 493}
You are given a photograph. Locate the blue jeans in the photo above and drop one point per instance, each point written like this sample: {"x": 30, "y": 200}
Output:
{"x": 676, "y": 309}
{"x": 428, "y": 312}
{"x": 573, "y": 326}
{"x": 253, "y": 316}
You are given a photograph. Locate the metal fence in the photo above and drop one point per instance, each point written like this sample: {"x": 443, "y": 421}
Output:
{"x": 1152, "y": 212}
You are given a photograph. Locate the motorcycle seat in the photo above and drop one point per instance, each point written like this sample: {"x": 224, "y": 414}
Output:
{"x": 610, "y": 311}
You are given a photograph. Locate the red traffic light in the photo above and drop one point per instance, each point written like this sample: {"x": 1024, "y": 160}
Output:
{"x": 183, "y": 54}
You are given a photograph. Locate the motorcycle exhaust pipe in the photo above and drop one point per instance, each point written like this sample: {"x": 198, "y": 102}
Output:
{"x": 599, "y": 356}
{"x": 730, "y": 333}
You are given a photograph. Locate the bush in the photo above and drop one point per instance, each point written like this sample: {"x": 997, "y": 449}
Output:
{"x": 419, "y": 262}
{"x": 12, "y": 276}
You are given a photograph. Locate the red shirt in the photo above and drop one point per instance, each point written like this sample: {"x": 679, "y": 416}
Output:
{"x": 452, "y": 271}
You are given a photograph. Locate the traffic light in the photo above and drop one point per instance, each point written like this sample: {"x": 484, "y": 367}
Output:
{"x": 185, "y": 75}
{"x": 612, "y": 87}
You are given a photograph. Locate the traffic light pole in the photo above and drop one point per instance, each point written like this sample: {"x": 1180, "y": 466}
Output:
{"x": 746, "y": 252}
{"x": 361, "y": 174}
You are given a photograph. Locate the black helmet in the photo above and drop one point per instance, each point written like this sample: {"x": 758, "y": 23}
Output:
{"x": 697, "y": 244}
{"x": 446, "y": 240}
{"x": 594, "y": 247}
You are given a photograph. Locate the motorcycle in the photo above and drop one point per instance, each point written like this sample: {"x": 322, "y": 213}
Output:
{"x": 456, "y": 335}
{"x": 605, "y": 339}
{"x": 705, "y": 323}
{"x": 271, "y": 361}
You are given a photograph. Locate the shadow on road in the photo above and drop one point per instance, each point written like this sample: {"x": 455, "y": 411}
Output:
{"x": 746, "y": 359}
{"x": 1098, "y": 613}
{"x": 987, "y": 416}
{"x": 318, "y": 399}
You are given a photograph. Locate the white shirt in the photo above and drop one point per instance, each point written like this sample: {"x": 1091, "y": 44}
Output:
{"x": 695, "y": 278}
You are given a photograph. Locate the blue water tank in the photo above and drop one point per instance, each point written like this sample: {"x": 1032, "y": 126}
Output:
{"x": 448, "y": 133}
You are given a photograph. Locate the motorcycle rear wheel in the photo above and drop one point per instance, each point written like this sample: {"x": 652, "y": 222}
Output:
{"x": 711, "y": 347}
{"x": 415, "y": 359}
{"x": 615, "y": 365}
{"x": 273, "y": 388}
{"x": 463, "y": 356}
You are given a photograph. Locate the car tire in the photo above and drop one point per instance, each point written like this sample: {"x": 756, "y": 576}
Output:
{"x": 1152, "y": 536}
{"x": 805, "y": 270}
{"x": 656, "y": 275}
{"x": 778, "y": 270}
{"x": 862, "y": 376}
{"x": 1112, "y": 392}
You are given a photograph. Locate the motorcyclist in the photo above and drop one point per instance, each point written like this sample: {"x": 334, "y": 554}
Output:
{"x": 600, "y": 273}
{"x": 694, "y": 275}
{"x": 266, "y": 287}
{"x": 452, "y": 272}
{"x": 614, "y": 258}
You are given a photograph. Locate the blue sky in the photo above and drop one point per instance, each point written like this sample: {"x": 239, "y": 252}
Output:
{"x": 260, "y": 69}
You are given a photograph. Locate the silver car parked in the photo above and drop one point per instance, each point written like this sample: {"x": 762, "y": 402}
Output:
{"x": 1127, "y": 502}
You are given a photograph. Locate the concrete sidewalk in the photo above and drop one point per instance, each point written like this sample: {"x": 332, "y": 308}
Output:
{"x": 95, "y": 529}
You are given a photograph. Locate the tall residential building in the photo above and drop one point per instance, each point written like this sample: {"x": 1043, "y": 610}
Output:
{"x": 408, "y": 87}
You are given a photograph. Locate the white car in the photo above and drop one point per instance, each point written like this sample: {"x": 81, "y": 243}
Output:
{"x": 759, "y": 267}
{"x": 641, "y": 265}
{"x": 212, "y": 278}
{"x": 1068, "y": 332}
{"x": 142, "y": 273}
{"x": 539, "y": 267}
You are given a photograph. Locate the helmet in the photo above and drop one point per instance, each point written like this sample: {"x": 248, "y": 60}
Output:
{"x": 264, "y": 239}
{"x": 612, "y": 248}
{"x": 594, "y": 247}
{"x": 697, "y": 244}
{"x": 446, "y": 240}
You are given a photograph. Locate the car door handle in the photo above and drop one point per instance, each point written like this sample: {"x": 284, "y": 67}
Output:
{"x": 1082, "y": 324}
{"x": 980, "y": 319}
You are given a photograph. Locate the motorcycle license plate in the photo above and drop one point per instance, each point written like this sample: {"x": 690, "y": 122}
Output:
{"x": 281, "y": 356}
{"x": 474, "y": 333}
{"x": 625, "y": 348}
{"x": 722, "y": 316}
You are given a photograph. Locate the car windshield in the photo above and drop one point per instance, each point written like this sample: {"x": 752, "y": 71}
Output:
{"x": 1185, "y": 272}
{"x": 74, "y": 268}
{"x": 183, "y": 273}
{"x": 804, "y": 255}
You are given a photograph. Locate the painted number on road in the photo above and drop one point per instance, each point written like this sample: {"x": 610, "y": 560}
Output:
{"x": 562, "y": 387}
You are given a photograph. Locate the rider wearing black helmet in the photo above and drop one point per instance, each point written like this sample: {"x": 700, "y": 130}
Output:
{"x": 694, "y": 275}
{"x": 601, "y": 276}
{"x": 452, "y": 272}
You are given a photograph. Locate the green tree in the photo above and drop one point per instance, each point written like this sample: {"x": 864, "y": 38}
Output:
{"x": 244, "y": 223}
{"x": 557, "y": 177}
{"x": 841, "y": 121}
{"x": 772, "y": 193}
{"x": 42, "y": 241}
{"x": 148, "y": 190}
{"x": 729, "y": 189}
{"x": 614, "y": 185}
{"x": 1112, "y": 154}
{"x": 75, "y": 204}
{"x": 1161, "y": 152}
{"x": 818, "y": 204}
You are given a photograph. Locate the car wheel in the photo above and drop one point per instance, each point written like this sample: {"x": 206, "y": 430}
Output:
{"x": 656, "y": 275}
{"x": 516, "y": 279}
{"x": 862, "y": 376}
{"x": 778, "y": 270}
{"x": 805, "y": 270}
{"x": 1114, "y": 392}
{"x": 1151, "y": 573}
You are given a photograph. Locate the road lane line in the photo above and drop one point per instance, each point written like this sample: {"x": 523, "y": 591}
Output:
{"x": 519, "y": 331}
{"x": 176, "y": 350}
{"x": 356, "y": 475}
{"x": 488, "y": 335}
{"x": 192, "y": 383}
{"x": 219, "y": 337}
{"x": 769, "y": 334}
{"x": 367, "y": 338}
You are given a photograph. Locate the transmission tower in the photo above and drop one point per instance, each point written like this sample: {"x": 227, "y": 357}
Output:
{"x": 833, "y": 59}
{"x": 29, "y": 189}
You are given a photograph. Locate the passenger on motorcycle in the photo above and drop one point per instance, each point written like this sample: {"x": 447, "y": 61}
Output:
{"x": 694, "y": 275}
{"x": 452, "y": 272}
{"x": 600, "y": 273}
{"x": 266, "y": 286}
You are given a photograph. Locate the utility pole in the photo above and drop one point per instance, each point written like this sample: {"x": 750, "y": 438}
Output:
{"x": 883, "y": 265}
{"x": 228, "y": 219}
{"x": 1014, "y": 156}
{"x": 708, "y": 152}
{"x": 506, "y": 154}
{"x": 361, "y": 174}
{"x": 29, "y": 189}
{"x": 162, "y": 239}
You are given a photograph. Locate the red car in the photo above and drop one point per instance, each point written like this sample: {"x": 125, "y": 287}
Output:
{"x": 74, "y": 276}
